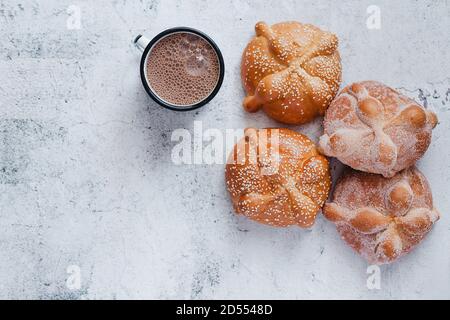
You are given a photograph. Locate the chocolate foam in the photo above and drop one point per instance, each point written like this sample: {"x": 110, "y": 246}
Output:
{"x": 182, "y": 68}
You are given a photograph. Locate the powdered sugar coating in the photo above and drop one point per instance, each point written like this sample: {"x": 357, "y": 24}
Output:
{"x": 286, "y": 188}
{"x": 372, "y": 128}
{"x": 291, "y": 70}
{"x": 382, "y": 218}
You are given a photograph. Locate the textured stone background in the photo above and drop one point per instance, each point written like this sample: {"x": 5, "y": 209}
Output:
{"x": 86, "y": 177}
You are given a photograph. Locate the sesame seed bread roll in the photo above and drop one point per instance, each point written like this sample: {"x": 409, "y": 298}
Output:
{"x": 291, "y": 70}
{"x": 382, "y": 218}
{"x": 373, "y": 128}
{"x": 277, "y": 177}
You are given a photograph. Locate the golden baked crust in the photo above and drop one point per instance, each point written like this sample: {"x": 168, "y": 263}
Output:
{"x": 277, "y": 177}
{"x": 373, "y": 128}
{"x": 382, "y": 218}
{"x": 291, "y": 70}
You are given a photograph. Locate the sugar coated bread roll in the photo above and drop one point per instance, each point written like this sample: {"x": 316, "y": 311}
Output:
{"x": 382, "y": 218}
{"x": 277, "y": 177}
{"x": 373, "y": 128}
{"x": 291, "y": 70}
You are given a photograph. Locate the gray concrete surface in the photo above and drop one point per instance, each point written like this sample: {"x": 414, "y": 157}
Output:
{"x": 87, "y": 181}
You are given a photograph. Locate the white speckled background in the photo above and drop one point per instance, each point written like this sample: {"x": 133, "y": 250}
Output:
{"x": 86, "y": 177}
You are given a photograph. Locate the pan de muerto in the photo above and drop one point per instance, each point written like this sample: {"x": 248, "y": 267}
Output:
{"x": 277, "y": 177}
{"x": 382, "y": 218}
{"x": 373, "y": 128}
{"x": 291, "y": 70}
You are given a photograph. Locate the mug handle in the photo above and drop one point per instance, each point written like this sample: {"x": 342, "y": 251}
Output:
{"x": 141, "y": 42}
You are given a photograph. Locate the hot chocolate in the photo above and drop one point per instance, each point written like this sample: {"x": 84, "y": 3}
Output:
{"x": 182, "y": 69}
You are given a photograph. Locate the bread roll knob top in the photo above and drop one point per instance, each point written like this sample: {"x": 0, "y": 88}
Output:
{"x": 432, "y": 118}
{"x": 333, "y": 212}
{"x": 399, "y": 198}
{"x": 387, "y": 153}
{"x": 369, "y": 221}
{"x": 359, "y": 89}
{"x": 371, "y": 108}
{"x": 337, "y": 145}
{"x": 390, "y": 247}
{"x": 415, "y": 115}
{"x": 262, "y": 29}
{"x": 251, "y": 104}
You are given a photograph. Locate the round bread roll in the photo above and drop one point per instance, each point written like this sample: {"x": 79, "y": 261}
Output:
{"x": 277, "y": 177}
{"x": 291, "y": 70}
{"x": 382, "y": 218}
{"x": 373, "y": 128}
